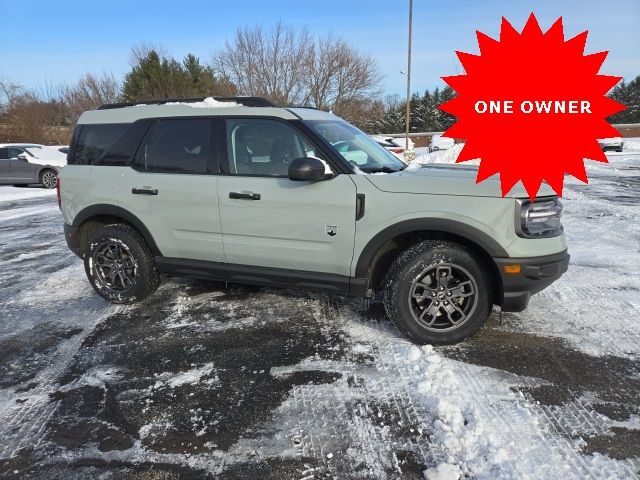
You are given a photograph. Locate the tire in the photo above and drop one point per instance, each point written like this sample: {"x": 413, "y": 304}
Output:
{"x": 48, "y": 178}
{"x": 438, "y": 312}
{"x": 136, "y": 275}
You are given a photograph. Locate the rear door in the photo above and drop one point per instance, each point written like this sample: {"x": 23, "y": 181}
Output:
{"x": 271, "y": 221}
{"x": 172, "y": 188}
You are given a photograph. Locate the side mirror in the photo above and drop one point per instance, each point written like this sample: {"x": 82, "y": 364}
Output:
{"x": 308, "y": 169}
{"x": 22, "y": 157}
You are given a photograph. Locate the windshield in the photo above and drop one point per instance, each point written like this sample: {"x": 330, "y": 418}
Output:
{"x": 356, "y": 147}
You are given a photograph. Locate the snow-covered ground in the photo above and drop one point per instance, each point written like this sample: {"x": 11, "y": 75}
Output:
{"x": 207, "y": 381}
{"x": 8, "y": 194}
{"x": 424, "y": 157}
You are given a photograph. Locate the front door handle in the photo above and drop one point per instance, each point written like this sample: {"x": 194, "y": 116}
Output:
{"x": 244, "y": 195}
{"x": 144, "y": 191}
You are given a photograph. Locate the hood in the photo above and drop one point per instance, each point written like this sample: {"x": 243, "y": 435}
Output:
{"x": 441, "y": 179}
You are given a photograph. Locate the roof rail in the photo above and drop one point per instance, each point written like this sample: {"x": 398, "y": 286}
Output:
{"x": 246, "y": 101}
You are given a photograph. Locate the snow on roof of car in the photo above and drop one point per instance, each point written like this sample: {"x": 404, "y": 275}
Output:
{"x": 208, "y": 102}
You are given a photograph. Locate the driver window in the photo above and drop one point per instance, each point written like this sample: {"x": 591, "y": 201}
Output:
{"x": 264, "y": 147}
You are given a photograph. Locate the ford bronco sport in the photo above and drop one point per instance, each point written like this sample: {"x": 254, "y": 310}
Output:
{"x": 235, "y": 189}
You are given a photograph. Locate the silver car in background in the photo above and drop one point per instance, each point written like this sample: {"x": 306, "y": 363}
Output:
{"x": 21, "y": 165}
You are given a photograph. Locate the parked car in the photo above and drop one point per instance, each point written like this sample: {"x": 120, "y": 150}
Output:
{"x": 19, "y": 166}
{"x": 390, "y": 145}
{"x": 44, "y": 153}
{"x": 438, "y": 142}
{"x": 296, "y": 197}
{"x": 608, "y": 144}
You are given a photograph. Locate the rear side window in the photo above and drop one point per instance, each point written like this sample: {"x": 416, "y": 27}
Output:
{"x": 177, "y": 146}
{"x": 94, "y": 140}
{"x": 124, "y": 148}
{"x": 4, "y": 153}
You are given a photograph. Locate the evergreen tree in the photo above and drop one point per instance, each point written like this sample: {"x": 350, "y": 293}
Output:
{"x": 155, "y": 77}
{"x": 431, "y": 116}
{"x": 446, "y": 119}
{"x": 435, "y": 98}
{"x": 418, "y": 114}
{"x": 629, "y": 95}
{"x": 393, "y": 119}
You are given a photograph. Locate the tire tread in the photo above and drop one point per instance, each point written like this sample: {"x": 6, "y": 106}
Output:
{"x": 394, "y": 277}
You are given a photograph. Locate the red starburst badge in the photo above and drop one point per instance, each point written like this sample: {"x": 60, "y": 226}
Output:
{"x": 531, "y": 106}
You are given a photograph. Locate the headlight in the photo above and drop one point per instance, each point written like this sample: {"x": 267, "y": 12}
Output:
{"x": 539, "y": 219}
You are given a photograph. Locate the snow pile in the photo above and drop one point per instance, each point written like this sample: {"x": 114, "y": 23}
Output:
{"x": 631, "y": 145}
{"x": 444, "y": 471}
{"x": 189, "y": 377}
{"x": 208, "y": 102}
{"x": 450, "y": 155}
{"x": 471, "y": 445}
{"x": 481, "y": 429}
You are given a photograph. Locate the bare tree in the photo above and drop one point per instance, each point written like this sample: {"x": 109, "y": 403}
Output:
{"x": 290, "y": 66}
{"x": 338, "y": 75}
{"x": 31, "y": 118}
{"x": 8, "y": 91}
{"x": 89, "y": 92}
{"x": 269, "y": 62}
{"x": 140, "y": 52}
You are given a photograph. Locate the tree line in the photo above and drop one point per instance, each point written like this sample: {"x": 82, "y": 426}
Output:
{"x": 629, "y": 95}
{"x": 289, "y": 66}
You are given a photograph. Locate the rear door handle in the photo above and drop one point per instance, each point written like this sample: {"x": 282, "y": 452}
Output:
{"x": 244, "y": 195}
{"x": 144, "y": 191}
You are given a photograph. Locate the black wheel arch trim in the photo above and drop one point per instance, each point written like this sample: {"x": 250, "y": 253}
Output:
{"x": 436, "y": 225}
{"x": 115, "y": 211}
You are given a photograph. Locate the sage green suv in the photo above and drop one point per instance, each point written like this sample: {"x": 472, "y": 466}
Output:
{"x": 238, "y": 190}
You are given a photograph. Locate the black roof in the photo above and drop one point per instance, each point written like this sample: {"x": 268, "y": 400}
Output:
{"x": 246, "y": 101}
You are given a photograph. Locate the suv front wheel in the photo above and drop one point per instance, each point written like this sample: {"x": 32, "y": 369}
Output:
{"x": 437, "y": 292}
{"x": 120, "y": 265}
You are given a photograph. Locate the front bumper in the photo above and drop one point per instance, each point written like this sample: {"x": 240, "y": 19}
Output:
{"x": 536, "y": 274}
{"x": 72, "y": 238}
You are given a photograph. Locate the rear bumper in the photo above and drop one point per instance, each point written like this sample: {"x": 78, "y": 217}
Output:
{"x": 73, "y": 241}
{"x": 536, "y": 274}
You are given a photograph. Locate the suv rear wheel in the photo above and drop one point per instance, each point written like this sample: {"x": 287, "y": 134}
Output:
{"x": 437, "y": 292}
{"x": 120, "y": 265}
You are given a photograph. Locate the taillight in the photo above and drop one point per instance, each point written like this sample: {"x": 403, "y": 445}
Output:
{"x": 58, "y": 193}
{"x": 397, "y": 150}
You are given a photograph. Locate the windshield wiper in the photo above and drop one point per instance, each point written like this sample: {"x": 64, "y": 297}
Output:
{"x": 383, "y": 169}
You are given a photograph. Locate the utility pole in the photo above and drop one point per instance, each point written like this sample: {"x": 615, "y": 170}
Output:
{"x": 408, "y": 113}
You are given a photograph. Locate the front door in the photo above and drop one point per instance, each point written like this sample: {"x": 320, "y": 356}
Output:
{"x": 4, "y": 165}
{"x": 172, "y": 188}
{"x": 271, "y": 221}
{"x": 19, "y": 168}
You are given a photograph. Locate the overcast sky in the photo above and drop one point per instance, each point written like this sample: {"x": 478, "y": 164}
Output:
{"x": 45, "y": 41}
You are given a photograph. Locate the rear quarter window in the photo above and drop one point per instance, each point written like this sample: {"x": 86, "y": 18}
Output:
{"x": 93, "y": 141}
